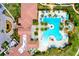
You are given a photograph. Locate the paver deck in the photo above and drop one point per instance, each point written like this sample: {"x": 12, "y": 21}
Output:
{"x": 28, "y": 13}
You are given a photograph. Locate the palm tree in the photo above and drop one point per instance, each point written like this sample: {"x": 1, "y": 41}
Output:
{"x": 61, "y": 26}
{"x": 5, "y": 45}
{"x": 67, "y": 22}
{"x": 46, "y": 24}
{"x": 37, "y": 29}
{"x": 36, "y": 33}
{"x": 42, "y": 15}
{"x": 55, "y": 15}
{"x": 49, "y": 15}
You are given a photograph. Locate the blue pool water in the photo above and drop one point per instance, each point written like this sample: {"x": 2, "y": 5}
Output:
{"x": 49, "y": 32}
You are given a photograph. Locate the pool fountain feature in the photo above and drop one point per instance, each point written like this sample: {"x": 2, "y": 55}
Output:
{"x": 51, "y": 26}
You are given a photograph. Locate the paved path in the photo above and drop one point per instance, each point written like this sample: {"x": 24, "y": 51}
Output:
{"x": 8, "y": 11}
{"x": 56, "y": 5}
{"x": 73, "y": 6}
{"x": 77, "y": 53}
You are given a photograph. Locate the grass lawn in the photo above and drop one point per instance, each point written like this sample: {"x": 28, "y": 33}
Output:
{"x": 14, "y": 9}
{"x": 43, "y": 7}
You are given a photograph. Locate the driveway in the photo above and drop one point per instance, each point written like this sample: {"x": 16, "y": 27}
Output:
{"x": 3, "y": 35}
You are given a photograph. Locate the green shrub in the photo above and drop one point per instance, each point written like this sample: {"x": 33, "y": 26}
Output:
{"x": 5, "y": 45}
{"x": 37, "y": 29}
{"x": 35, "y": 22}
{"x": 36, "y": 33}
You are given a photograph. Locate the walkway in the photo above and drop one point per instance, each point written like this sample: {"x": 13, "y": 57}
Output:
{"x": 77, "y": 53}
{"x": 27, "y": 16}
{"x": 73, "y": 6}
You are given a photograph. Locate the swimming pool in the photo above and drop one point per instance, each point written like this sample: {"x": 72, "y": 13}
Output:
{"x": 52, "y": 32}
{"x": 53, "y": 36}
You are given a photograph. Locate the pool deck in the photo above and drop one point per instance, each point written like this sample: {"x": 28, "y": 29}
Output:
{"x": 28, "y": 13}
{"x": 59, "y": 36}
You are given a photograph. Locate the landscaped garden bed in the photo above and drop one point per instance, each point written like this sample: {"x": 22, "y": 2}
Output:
{"x": 15, "y": 35}
{"x": 8, "y": 26}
